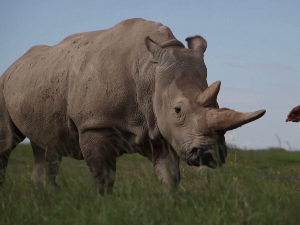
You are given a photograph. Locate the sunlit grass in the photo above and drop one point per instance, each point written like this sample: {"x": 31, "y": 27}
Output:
{"x": 253, "y": 187}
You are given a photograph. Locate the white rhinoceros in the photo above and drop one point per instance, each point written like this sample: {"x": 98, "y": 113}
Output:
{"x": 96, "y": 95}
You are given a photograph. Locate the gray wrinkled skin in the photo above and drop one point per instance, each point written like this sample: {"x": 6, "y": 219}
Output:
{"x": 97, "y": 95}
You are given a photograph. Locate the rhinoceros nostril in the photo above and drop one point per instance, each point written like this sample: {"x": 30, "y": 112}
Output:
{"x": 201, "y": 150}
{"x": 195, "y": 151}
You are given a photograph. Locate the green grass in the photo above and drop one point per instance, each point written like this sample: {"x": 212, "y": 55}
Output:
{"x": 253, "y": 187}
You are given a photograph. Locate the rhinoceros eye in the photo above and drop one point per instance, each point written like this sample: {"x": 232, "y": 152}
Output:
{"x": 177, "y": 110}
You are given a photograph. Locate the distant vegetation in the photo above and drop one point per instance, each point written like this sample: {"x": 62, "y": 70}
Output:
{"x": 253, "y": 187}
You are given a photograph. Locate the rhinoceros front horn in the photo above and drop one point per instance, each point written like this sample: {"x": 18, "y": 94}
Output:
{"x": 226, "y": 119}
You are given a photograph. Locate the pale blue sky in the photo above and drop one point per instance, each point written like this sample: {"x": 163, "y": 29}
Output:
{"x": 253, "y": 48}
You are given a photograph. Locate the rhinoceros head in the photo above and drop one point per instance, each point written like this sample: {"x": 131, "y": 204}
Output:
{"x": 186, "y": 109}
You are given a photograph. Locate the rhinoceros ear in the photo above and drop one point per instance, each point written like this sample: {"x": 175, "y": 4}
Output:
{"x": 153, "y": 48}
{"x": 197, "y": 43}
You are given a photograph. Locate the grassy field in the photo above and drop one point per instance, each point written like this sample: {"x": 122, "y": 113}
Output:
{"x": 253, "y": 187}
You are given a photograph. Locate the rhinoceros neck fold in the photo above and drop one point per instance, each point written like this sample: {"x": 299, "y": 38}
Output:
{"x": 145, "y": 86}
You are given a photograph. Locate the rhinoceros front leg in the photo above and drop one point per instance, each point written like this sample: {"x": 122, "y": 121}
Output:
{"x": 46, "y": 167}
{"x": 166, "y": 163}
{"x": 98, "y": 152}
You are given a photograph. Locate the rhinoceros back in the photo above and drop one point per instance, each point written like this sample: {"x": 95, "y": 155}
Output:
{"x": 88, "y": 79}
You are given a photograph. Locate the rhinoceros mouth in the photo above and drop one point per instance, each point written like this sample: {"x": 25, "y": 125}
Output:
{"x": 201, "y": 157}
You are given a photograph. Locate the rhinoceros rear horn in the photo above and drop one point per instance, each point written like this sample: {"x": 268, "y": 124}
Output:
{"x": 226, "y": 119}
{"x": 197, "y": 43}
{"x": 210, "y": 94}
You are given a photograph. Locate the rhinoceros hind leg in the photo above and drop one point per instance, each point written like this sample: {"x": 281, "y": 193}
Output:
{"x": 51, "y": 170}
{"x": 3, "y": 165}
{"x": 10, "y": 137}
{"x": 38, "y": 173}
{"x": 46, "y": 167}
{"x": 98, "y": 151}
